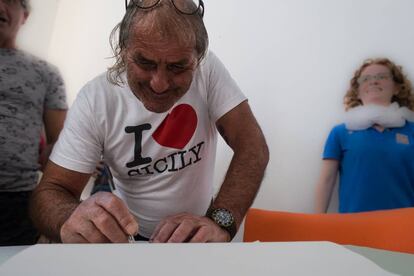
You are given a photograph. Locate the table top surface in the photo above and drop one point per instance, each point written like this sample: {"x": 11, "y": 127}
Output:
{"x": 390, "y": 262}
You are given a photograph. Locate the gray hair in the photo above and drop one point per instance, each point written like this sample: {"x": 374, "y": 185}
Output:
{"x": 155, "y": 24}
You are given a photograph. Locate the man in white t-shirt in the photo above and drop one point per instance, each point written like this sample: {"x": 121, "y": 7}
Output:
{"x": 154, "y": 118}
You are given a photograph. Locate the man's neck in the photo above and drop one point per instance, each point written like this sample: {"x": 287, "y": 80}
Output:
{"x": 7, "y": 44}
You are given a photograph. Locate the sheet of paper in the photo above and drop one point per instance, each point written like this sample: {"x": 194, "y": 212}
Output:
{"x": 298, "y": 258}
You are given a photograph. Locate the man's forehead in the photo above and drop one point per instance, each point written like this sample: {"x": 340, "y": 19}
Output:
{"x": 165, "y": 57}
{"x": 168, "y": 51}
{"x": 154, "y": 37}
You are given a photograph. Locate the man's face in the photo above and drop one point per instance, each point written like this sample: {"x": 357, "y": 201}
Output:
{"x": 12, "y": 16}
{"x": 159, "y": 73}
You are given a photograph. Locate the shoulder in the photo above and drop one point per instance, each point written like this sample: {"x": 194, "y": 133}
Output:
{"x": 211, "y": 57}
{"x": 48, "y": 71}
{"x": 210, "y": 63}
{"x": 96, "y": 88}
{"x": 39, "y": 63}
{"x": 100, "y": 81}
{"x": 212, "y": 71}
{"x": 211, "y": 60}
{"x": 339, "y": 128}
{"x": 337, "y": 133}
{"x": 100, "y": 90}
{"x": 22, "y": 59}
{"x": 410, "y": 125}
{"x": 15, "y": 54}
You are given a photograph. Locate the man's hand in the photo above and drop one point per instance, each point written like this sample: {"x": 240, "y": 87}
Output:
{"x": 188, "y": 228}
{"x": 101, "y": 218}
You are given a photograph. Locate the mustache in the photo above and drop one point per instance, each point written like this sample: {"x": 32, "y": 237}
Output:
{"x": 145, "y": 86}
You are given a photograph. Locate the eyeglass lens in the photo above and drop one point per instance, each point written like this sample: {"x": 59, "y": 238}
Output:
{"x": 381, "y": 76}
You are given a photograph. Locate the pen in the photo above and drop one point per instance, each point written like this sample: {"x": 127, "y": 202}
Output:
{"x": 107, "y": 171}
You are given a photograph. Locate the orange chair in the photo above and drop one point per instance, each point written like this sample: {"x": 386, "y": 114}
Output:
{"x": 386, "y": 229}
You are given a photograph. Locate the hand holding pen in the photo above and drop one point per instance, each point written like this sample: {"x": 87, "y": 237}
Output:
{"x": 101, "y": 218}
{"x": 111, "y": 184}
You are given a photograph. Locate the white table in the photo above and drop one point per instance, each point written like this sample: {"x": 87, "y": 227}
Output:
{"x": 396, "y": 262}
{"x": 302, "y": 258}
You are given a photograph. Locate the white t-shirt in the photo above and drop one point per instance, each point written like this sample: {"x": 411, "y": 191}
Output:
{"x": 162, "y": 163}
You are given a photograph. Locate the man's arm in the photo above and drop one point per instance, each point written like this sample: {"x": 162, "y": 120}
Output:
{"x": 53, "y": 120}
{"x": 242, "y": 133}
{"x": 58, "y": 213}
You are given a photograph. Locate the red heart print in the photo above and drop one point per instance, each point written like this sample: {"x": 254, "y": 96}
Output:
{"x": 177, "y": 128}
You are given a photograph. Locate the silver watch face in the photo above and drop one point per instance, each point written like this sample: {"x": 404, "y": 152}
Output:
{"x": 222, "y": 217}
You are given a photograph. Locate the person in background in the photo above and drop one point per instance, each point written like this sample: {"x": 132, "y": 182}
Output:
{"x": 154, "y": 117}
{"x": 32, "y": 94}
{"x": 373, "y": 151}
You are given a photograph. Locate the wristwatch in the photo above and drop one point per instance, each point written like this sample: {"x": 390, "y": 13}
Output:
{"x": 223, "y": 218}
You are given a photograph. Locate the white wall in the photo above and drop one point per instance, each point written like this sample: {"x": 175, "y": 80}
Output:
{"x": 36, "y": 33}
{"x": 292, "y": 58}
{"x": 80, "y": 41}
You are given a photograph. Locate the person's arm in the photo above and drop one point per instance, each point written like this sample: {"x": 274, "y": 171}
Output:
{"x": 324, "y": 188}
{"x": 242, "y": 133}
{"x": 53, "y": 120}
{"x": 57, "y": 212}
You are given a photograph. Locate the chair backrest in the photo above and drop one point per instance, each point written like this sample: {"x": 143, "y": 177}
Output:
{"x": 386, "y": 229}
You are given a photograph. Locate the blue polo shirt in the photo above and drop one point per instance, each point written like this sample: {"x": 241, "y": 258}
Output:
{"x": 376, "y": 169}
